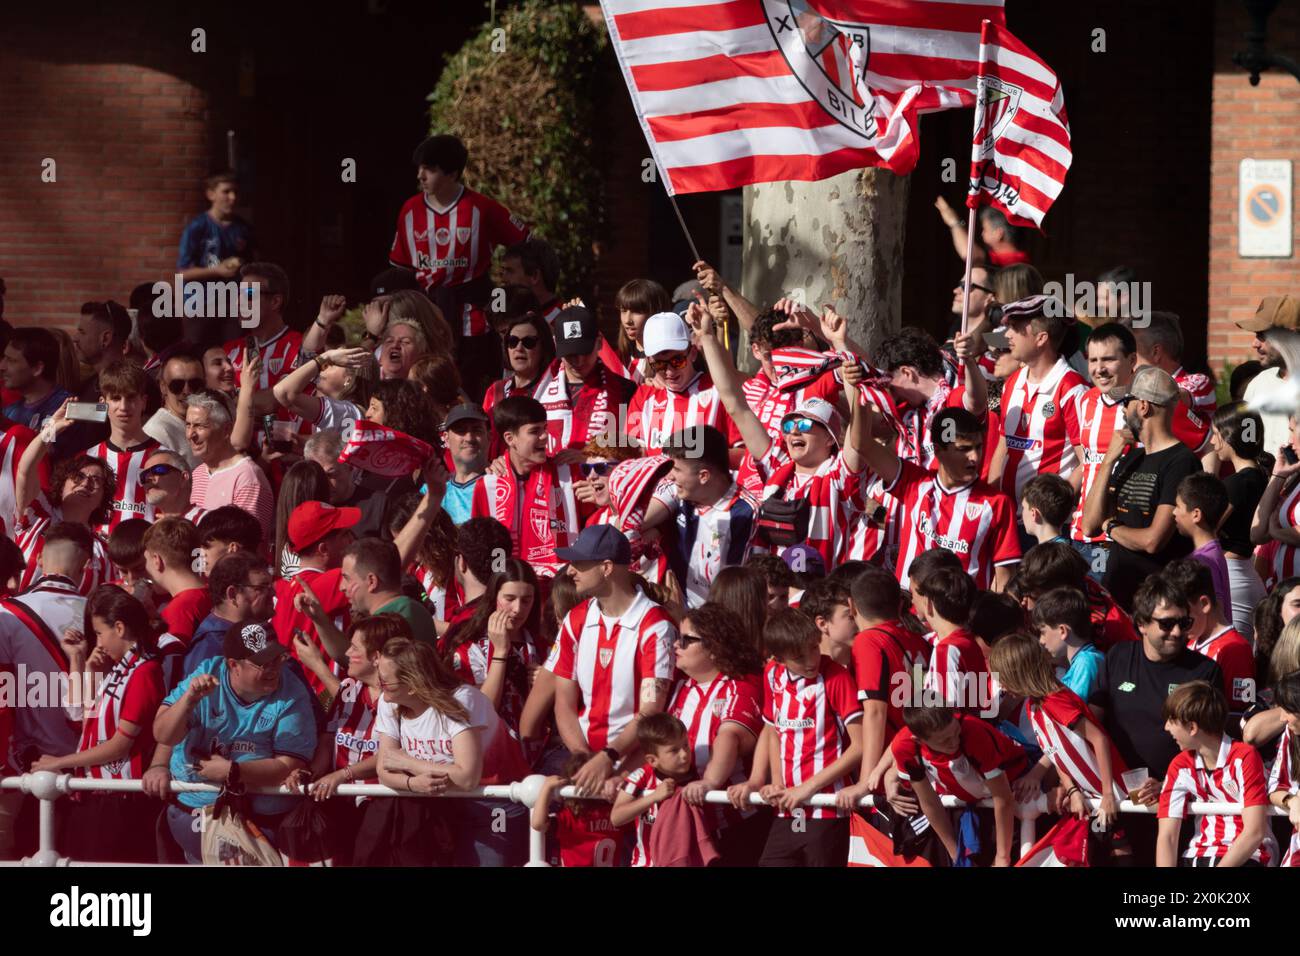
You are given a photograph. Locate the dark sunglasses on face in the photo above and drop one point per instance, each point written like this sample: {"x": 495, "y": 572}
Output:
{"x": 961, "y": 284}
{"x": 158, "y": 471}
{"x": 676, "y": 362}
{"x": 178, "y": 385}
{"x": 800, "y": 425}
{"x": 590, "y": 468}
{"x": 686, "y": 640}
{"x": 1167, "y": 624}
{"x": 528, "y": 341}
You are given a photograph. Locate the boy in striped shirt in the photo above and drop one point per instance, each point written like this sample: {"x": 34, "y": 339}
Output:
{"x": 1212, "y": 767}
{"x": 669, "y": 764}
{"x": 810, "y": 745}
{"x": 122, "y": 387}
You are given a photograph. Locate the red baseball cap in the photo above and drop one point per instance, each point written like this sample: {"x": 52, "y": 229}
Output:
{"x": 312, "y": 520}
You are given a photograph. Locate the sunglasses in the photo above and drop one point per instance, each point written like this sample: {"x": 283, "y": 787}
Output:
{"x": 1167, "y": 624}
{"x": 974, "y": 285}
{"x": 590, "y": 468}
{"x": 800, "y": 425}
{"x": 158, "y": 471}
{"x": 686, "y": 640}
{"x": 528, "y": 341}
{"x": 178, "y": 385}
{"x": 674, "y": 363}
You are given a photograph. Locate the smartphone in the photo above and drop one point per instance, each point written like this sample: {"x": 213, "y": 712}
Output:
{"x": 87, "y": 411}
{"x": 250, "y": 345}
{"x": 1289, "y": 454}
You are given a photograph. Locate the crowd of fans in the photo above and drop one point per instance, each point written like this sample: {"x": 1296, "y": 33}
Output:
{"x": 1037, "y": 562}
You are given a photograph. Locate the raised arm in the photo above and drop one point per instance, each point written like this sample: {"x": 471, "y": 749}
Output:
{"x": 418, "y": 525}
{"x": 332, "y": 308}
{"x": 744, "y": 310}
{"x": 975, "y": 397}
{"x": 727, "y": 381}
{"x": 27, "y": 480}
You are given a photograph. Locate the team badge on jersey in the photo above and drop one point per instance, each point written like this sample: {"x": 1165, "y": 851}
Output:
{"x": 606, "y": 655}
{"x": 1049, "y": 409}
{"x": 974, "y": 509}
{"x": 462, "y": 234}
{"x": 718, "y": 706}
{"x": 443, "y": 236}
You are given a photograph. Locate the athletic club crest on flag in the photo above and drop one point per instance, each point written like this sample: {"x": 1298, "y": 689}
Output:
{"x": 998, "y": 103}
{"x": 606, "y": 655}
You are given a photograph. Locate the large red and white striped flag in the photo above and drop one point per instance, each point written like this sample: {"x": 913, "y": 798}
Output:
{"x": 734, "y": 92}
{"x": 1021, "y": 146}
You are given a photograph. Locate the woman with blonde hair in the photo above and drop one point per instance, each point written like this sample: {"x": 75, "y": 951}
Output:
{"x": 438, "y": 734}
{"x": 1263, "y": 724}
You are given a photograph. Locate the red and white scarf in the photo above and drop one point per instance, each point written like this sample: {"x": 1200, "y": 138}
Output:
{"x": 539, "y": 510}
{"x": 573, "y": 424}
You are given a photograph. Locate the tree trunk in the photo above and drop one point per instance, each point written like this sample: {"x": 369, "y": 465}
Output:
{"x": 838, "y": 241}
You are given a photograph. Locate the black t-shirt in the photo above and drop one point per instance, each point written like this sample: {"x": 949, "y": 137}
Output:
{"x": 1245, "y": 488}
{"x": 1131, "y": 689}
{"x": 1150, "y": 480}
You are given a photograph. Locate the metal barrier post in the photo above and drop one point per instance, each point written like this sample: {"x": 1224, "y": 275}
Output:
{"x": 46, "y": 787}
{"x": 527, "y": 792}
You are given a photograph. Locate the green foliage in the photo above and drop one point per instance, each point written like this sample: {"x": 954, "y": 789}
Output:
{"x": 528, "y": 102}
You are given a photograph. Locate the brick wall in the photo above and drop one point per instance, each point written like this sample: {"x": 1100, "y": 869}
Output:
{"x": 130, "y": 147}
{"x": 1260, "y": 122}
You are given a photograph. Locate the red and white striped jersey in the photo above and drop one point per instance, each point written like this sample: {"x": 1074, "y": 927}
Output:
{"x": 976, "y": 522}
{"x": 609, "y": 658}
{"x": 829, "y": 490}
{"x": 770, "y": 404}
{"x": 1236, "y": 660}
{"x": 31, "y": 539}
{"x": 643, "y": 778}
{"x": 452, "y": 246}
{"x": 912, "y": 442}
{"x": 1041, "y": 425}
{"x": 704, "y": 709}
{"x": 281, "y": 354}
{"x": 1237, "y": 777}
{"x": 1286, "y": 560}
{"x": 351, "y": 720}
{"x": 471, "y": 660}
{"x": 27, "y": 648}
{"x": 129, "y": 495}
{"x": 1284, "y": 778}
{"x": 13, "y": 442}
{"x": 635, "y": 368}
{"x": 656, "y": 413}
{"x": 1056, "y": 720}
{"x": 811, "y": 718}
{"x": 982, "y": 753}
{"x": 1192, "y": 426}
{"x": 958, "y": 674}
{"x": 132, "y": 691}
{"x": 1098, "y": 419}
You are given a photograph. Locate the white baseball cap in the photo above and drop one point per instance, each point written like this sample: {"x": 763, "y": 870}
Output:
{"x": 819, "y": 410}
{"x": 665, "y": 332}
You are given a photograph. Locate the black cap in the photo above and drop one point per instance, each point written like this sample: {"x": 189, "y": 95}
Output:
{"x": 576, "y": 332}
{"x": 393, "y": 280}
{"x": 599, "y": 542}
{"x": 467, "y": 411}
{"x": 252, "y": 641}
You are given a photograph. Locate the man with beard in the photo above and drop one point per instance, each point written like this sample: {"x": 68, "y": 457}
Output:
{"x": 165, "y": 478}
{"x": 465, "y": 433}
{"x": 1274, "y": 312}
{"x": 1112, "y": 352}
{"x": 1160, "y": 343}
{"x": 1134, "y": 505}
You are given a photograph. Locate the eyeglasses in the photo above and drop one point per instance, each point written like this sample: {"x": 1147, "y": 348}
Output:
{"x": 178, "y": 385}
{"x": 158, "y": 471}
{"x": 268, "y": 666}
{"x": 676, "y": 362}
{"x": 87, "y": 478}
{"x": 590, "y": 468}
{"x": 800, "y": 425}
{"x": 257, "y": 587}
{"x": 686, "y": 640}
{"x": 1167, "y": 624}
{"x": 527, "y": 341}
{"x": 961, "y": 284}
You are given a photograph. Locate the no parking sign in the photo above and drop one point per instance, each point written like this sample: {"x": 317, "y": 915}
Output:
{"x": 1264, "y": 211}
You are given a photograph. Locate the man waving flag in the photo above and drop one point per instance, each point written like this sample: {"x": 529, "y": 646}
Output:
{"x": 1021, "y": 146}
{"x": 734, "y": 92}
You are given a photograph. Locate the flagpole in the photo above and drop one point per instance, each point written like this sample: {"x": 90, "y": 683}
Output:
{"x": 686, "y": 232}
{"x": 970, "y": 219}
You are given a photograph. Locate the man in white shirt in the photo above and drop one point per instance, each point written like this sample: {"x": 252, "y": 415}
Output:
{"x": 1274, "y": 312}
{"x": 182, "y": 376}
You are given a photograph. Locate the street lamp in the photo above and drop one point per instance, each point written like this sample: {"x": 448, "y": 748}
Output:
{"x": 1255, "y": 58}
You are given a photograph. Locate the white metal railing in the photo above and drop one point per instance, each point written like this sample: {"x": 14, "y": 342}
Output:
{"x": 48, "y": 787}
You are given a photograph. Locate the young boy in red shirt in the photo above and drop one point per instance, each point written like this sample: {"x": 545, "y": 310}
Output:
{"x": 943, "y": 752}
{"x": 584, "y": 835}
{"x": 811, "y": 718}
{"x": 958, "y": 675}
{"x": 1211, "y": 768}
{"x": 669, "y": 763}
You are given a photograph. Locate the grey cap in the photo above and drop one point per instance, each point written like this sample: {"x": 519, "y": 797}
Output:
{"x": 1152, "y": 384}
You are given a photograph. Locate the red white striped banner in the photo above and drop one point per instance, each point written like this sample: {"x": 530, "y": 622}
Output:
{"x": 1021, "y": 147}
{"x": 735, "y": 92}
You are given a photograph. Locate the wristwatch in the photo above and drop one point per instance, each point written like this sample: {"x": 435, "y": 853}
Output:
{"x": 612, "y": 754}
{"x": 1108, "y": 527}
